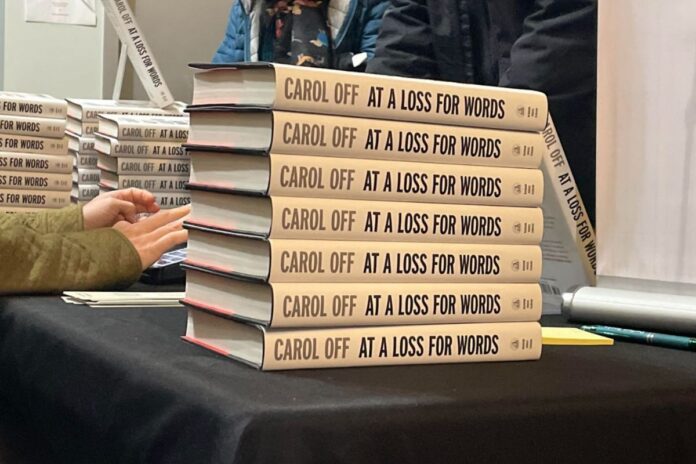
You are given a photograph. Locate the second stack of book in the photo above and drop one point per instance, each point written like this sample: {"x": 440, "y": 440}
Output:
{"x": 145, "y": 152}
{"x": 332, "y": 240}
{"x": 81, "y": 128}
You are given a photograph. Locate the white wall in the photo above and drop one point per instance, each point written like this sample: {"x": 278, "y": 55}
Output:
{"x": 78, "y": 61}
{"x": 646, "y": 141}
{"x": 61, "y": 60}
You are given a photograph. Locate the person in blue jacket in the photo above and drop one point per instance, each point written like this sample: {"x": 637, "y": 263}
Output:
{"x": 338, "y": 34}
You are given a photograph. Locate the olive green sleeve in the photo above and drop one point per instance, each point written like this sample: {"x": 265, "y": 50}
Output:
{"x": 51, "y": 263}
{"x": 61, "y": 220}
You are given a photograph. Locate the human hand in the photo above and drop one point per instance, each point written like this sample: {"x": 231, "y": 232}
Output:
{"x": 109, "y": 208}
{"x": 156, "y": 234}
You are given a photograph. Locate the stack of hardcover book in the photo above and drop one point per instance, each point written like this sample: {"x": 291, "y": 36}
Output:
{"x": 35, "y": 168}
{"x": 85, "y": 175}
{"x": 145, "y": 152}
{"x": 82, "y": 125}
{"x": 344, "y": 219}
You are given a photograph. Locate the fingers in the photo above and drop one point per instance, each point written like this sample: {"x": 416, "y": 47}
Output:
{"x": 163, "y": 239}
{"x": 125, "y": 210}
{"x": 164, "y": 217}
{"x": 143, "y": 200}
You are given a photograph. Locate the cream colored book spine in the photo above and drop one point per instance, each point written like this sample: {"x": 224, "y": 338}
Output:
{"x": 332, "y": 261}
{"x": 320, "y": 177}
{"x": 32, "y": 126}
{"x": 310, "y": 90}
{"x": 378, "y": 346}
{"x": 84, "y": 192}
{"x": 401, "y": 345}
{"x": 153, "y": 183}
{"x": 25, "y": 104}
{"x": 143, "y": 149}
{"x": 400, "y": 141}
{"x": 329, "y": 219}
{"x": 569, "y": 243}
{"x": 141, "y": 55}
{"x": 338, "y": 304}
{"x": 86, "y": 176}
{"x": 86, "y": 161}
{"x": 143, "y": 127}
{"x": 38, "y": 145}
{"x": 344, "y": 305}
{"x": 34, "y": 198}
{"x": 153, "y": 166}
{"x": 35, "y": 163}
{"x": 35, "y": 181}
{"x": 168, "y": 200}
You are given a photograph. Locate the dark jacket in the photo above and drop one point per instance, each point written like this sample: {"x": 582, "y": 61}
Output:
{"x": 354, "y": 27}
{"x": 545, "y": 45}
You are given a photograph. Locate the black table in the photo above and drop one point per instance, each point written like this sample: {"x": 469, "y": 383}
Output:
{"x": 120, "y": 386}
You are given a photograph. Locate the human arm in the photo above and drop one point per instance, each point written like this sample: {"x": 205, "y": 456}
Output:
{"x": 56, "y": 221}
{"x": 33, "y": 262}
{"x": 96, "y": 259}
{"x": 103, "y": 211}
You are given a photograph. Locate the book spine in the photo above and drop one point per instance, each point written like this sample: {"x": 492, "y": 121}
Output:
{"x": 400, "y": 141}
{"x": 90, "y": 113}
{"x": 38, "y": 145}
{"x": 328, "y": 219}
{"x": 338, "y": 304}
{"x": 35, "y": 181}
{"x": 142, "y": 59}
{"x": 171, "y": 200}
{"x": 150, "y": 149}
{"x": 37, "y": 127}
{"x": 84, "y": 192}
{"x": 35, "y": 163}
{"x": 86, "y": 145}
{"x": 565, "y": 214}
{"x": 157, "y": 167}
{"x": 152, "y": 132}
{"x": 34, "y": 198}
{"x": 321, "y": 177}
{"x": 39, "y": 107}
{"x": 153, "y": 183}
{"x": 382, "y": 97}
{"x": 86, "y": 161}
{"x": 89, "y": 128}
{"x": 401, "y": 345}
{"x": 88, "y": 176}
{"x": 397, "y": 262}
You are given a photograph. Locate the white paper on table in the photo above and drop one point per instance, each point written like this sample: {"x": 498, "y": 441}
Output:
{"x": 77, "y": 12}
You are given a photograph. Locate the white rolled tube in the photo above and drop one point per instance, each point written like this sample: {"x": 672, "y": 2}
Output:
{"x": 627, "y": 308}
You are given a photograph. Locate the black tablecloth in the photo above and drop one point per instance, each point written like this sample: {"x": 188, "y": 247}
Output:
{"x": 120, "y": 386}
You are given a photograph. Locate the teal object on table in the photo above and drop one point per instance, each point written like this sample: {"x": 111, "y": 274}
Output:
{"x": 640, "y": 336}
